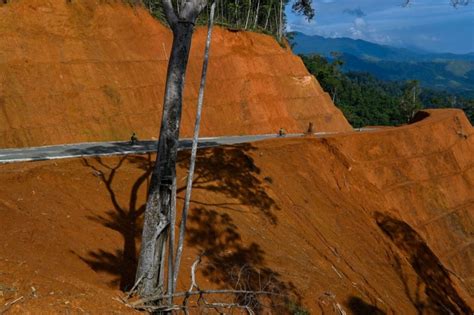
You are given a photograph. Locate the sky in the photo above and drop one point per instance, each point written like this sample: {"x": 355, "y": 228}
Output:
{"x": 430, "y": 25}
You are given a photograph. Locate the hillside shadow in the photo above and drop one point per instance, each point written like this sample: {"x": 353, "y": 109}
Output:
{"x": 360, "y": 307}
{"x": 419, "y": 116}
{"x": 231, "y": 263}
{"x": 443, "y": 297}
{"x": 414, "y": 294}
{"x": 230, "y": 171}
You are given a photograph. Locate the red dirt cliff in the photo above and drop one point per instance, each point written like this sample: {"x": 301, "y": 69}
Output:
{"x": 101, "y": 69}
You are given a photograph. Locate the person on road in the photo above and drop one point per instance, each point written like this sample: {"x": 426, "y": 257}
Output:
{"x": 310, "y": 128}
{"x": 281, "y": 132}
{"x": 133, "y": 139}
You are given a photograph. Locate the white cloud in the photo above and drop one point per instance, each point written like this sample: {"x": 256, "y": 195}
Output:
{"x": 429, "y": 38}
{"x": 358, "y": 28}
{"x": 360, "y": 22}
{"x": 434, "y": 24}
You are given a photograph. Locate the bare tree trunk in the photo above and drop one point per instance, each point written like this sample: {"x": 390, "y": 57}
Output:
{"x": 172, "y": 219}
{"x": 280, "y": 28}
{"x": 268, "y": 16}
{"x": 236, "y": 13}
{"x": 256, "y": 14}
{"x": 160, "y": 194}
{"x": 189, "y": 184}
{"x": 248, "y": 15}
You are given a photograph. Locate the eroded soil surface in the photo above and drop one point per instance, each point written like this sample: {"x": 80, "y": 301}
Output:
{"x": 375, "y": 223}
{"x": 79, "y": 71}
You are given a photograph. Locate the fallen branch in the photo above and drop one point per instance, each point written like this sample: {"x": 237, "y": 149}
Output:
{"x": 157, "y": 302}
{"x": 7, "y": 306}
{"x": 130, "y": 293}
{"x": 201, "y": 292}
{"x": 193, "y": 274}
{"x": 165, "y": 308}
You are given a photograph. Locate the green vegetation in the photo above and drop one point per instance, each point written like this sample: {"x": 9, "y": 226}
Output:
{"x": 440, "y": 71}
{"x": 295, "y": 308}
{"x": 456, "y": 76}
{"x": 267, "y": 16}
{"x": 367, "y": 101}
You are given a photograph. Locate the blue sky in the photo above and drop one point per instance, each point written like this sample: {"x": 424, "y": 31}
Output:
{"x": 431, "y": 25}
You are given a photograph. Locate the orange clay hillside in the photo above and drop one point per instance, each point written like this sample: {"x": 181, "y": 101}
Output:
{"x": 367, "y": 223}
{"x": 75, "y": 71}
{"x": 379, "y": 222}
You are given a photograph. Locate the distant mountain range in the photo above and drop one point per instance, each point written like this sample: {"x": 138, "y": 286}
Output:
{"x": 444, "y": 71}
{"x": 306, "y": 44}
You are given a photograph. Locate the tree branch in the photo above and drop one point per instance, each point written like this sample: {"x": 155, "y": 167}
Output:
{"x": 192, "y": 162}
{"x": 190, "y": 10}
{"x": 7, "y": 306}
{"x": 165, "y": 308}
{"x": 158, "y": 297}
{"x": 169, "y": 13}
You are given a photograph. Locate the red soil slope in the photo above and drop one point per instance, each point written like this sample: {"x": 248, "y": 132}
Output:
{"x": 374, "y": 222}
{"x": 101, "y": 68}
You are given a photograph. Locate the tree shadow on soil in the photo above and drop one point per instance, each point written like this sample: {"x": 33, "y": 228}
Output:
{"x": 230, "y": 263}
{"x": 229, "y": 171}
{"x": 442, "y": 296}
{"x": 123, "y": 218}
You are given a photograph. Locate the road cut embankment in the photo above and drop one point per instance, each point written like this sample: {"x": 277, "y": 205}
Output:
{"x": 81, "y": 71}
{"x": 374, "y": 222}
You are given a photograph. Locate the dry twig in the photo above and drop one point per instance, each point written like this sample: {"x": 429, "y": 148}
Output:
{"x": 7, "y": 306}
{"x": 194, "y": 290}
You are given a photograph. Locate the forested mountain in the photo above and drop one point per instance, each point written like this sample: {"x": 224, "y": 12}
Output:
{"x": 450, "y": 72}
{"x": 455, "y": 76}
{"x": 367, "y": 100}
{"x": 306, "y": 44}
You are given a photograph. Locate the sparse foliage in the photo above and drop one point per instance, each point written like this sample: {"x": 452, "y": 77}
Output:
{"x": 267, "y": 16}
{"x": 410, "y": 100}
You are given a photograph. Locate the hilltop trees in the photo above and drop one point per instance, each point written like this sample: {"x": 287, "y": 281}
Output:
{"x": 368, "y": 101}
{"x": 410, "y": 101}
{"x": 263, "y": 15}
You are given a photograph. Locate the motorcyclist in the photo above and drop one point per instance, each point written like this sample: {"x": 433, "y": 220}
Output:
{"x": 281, "y": 132}
{"x": 133, "y": 139}
{"x": 310, "y": 128}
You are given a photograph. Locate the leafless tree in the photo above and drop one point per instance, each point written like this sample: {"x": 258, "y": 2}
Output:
{"x": 159, "y": 208}
{"x": 192, "y": 163}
